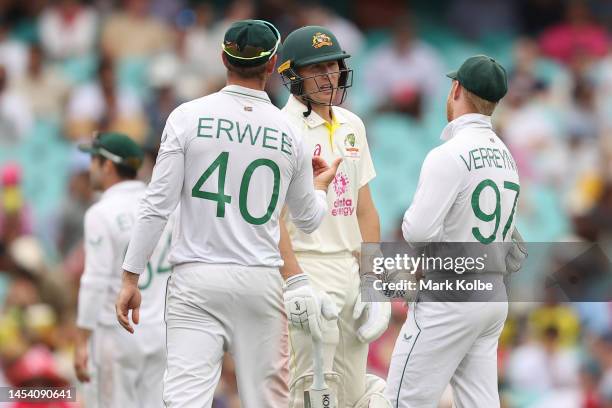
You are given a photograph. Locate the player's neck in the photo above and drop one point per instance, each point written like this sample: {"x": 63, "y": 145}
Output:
{"x": 460, "y": 111}
{"x": 109, "y": 182}
{"x": 323, "y": 111}
{"x": 257, "y": 84}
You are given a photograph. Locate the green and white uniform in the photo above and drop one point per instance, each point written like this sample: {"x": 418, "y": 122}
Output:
{"x": 126, "y": 369}
{"x": 232, "y": 160}
{"x": 467, "y": 192}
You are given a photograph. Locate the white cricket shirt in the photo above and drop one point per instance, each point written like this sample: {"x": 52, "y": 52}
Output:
{"x": 108, "y": 227}
{"x": 232, "y": 160}
{"x": 468, "y": 188}
{"x": 346, "y": 138}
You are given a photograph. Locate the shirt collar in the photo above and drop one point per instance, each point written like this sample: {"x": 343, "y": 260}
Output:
{"x": 297, "y": 108}
{"x": 473, "y": 120}
{"x": 122, "y": 186}
{"x": 242, "y": 90}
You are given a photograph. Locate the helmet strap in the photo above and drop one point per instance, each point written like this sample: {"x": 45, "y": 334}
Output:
{"x": 308, "y": 109}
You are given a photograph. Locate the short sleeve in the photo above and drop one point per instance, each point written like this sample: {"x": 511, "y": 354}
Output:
{"x": 366, "y": 166}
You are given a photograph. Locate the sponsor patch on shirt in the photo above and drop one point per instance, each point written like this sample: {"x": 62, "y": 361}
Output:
{"x": 351, "y": 147}
{"x": 342, "y": 206}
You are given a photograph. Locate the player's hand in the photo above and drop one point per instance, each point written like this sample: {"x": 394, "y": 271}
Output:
{"x": 129, "y": 299}
{"x": 377, "y": 321}
{"x": 323, "y": 173}
{"x": 305, "y": 308}
{"x": 81, "y": 355}
{"x": 517, "y": 254}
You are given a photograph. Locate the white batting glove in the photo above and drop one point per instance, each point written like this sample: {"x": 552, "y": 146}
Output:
{"x": 305, "y": 307}
{"x": 517, "y": 254}
{"x": 377, "y": 322}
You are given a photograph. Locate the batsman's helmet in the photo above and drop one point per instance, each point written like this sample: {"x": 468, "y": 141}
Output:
{"x": 312, "y": 45}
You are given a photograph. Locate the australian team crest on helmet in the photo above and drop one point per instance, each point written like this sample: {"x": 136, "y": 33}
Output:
{"x": 321, "y": 40}
{"x": 350, "y": 145}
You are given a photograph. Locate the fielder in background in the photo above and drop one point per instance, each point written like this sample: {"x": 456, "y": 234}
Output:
{"x": 461, "y": 197}
{"x": 232, "y": 160}
{"x": 314, "y": 70}
{"x": 122, "y": 370}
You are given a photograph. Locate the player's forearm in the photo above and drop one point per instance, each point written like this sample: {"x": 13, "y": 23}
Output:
{"x": 367, "y": 216}
{"x": 129, "y": 279}
{"x": 306, "y": 204}
{"x": 160, "y": 200}
{"x": 439, "y": 185}
{"x": 417, "y": 227}
{"x": 82, "y": 336}
{"x": 145, "y": 236}
{"x": 291, "y": 266}
{"x": 369, "y": 226}
{"x": 308, "y": 212}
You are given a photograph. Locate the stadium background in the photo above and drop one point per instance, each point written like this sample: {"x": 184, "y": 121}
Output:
{"x": 69, "y": 67}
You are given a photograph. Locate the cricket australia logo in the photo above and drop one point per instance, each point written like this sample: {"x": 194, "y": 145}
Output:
{"x": 349, "y": 140}
{"x": 350, "y": 146}
{"x": 343, "y": 206}
{"x": 321, "y": 40}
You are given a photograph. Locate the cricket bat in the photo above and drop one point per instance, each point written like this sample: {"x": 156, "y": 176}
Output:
{"x": 319, "y": 395}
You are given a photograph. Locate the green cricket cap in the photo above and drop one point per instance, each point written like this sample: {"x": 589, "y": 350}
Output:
{"x": 483, "y": 76}
{"x": 116, "y": 147}
{"x": 249, "y": 43}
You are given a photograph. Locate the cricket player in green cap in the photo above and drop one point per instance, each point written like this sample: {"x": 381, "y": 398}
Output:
{"x": 118, "y": 370}
{"x": 314, "y": 69}
{"x": 233, "y": 161}
{"x": 467, "y": 192}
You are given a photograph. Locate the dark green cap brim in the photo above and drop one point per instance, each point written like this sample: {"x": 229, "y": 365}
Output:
{"x": 116, "y": 147}
{"x": 452, "y": 75}
{"x": 87, "y": 148}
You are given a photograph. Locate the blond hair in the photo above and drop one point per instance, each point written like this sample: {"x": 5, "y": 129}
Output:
{"x": 481, "y": 106}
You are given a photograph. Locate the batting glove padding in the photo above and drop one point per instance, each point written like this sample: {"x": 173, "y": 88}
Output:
{"x": 517, "y": 254}
{"x": 377, "y": 321}
{"x": 305, "y": 307}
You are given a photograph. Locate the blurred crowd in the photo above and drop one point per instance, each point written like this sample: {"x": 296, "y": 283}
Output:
{"x": 69, "y": 68}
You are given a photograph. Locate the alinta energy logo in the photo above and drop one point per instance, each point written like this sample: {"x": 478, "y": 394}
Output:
{"x": 343, "y": 206}
{"x": 340, "y": 184}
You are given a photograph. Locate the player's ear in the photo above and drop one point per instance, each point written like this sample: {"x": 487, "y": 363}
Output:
{"x": 109, "y": 167}
{"x": 224, "y": 59}
{"x": 457, "y": 90}
{"x": 271, "y": 64}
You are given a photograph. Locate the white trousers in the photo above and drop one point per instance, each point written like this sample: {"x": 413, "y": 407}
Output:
{"x": 444, "y": 342}
{"x": 126, "y": 369}
{"x": 211, "y": 309}
{"x": 344, "y": 356}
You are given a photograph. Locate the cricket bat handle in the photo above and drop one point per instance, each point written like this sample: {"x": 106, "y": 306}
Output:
{"x": 318, "y": 377}
{"x": 319, "y": 395}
